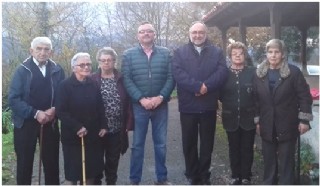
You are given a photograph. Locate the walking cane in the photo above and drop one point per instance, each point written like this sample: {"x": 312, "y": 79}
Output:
{"x": 40, "y": 154}
{"x": 298, "y": 166}
{"x": 83, "y": 162}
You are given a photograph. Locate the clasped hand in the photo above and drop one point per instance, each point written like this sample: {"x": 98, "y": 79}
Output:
{"x": 151, "y": 102}
{"x": 46, "y": 116}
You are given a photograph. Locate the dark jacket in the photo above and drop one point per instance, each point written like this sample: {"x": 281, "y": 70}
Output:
{"x": 79, "y": 104}
{"x": 127, "y": 120}
{"x": 19, "y": 90}
{"x": 288, "y": 105}
{"x": 145, "y": 77}
{"x": 237, "y": 101}
{"x": 190, "y": 70}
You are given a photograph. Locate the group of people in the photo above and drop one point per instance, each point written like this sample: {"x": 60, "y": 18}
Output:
{"x": 98, "y": 109}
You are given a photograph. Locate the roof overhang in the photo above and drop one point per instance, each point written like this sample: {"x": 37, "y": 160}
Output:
{"x": 257, "y": 14}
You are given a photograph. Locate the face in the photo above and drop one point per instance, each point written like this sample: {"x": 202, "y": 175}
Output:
{"x": 274, "y": 57}
{"x": 106, "y": 62}
{"x": 198, "y": 34}
{"x": 82, "y": 68}
{"x": 146, "y": 34}
{"x": 237, "y": 56}
{"x": 41, "y": 52}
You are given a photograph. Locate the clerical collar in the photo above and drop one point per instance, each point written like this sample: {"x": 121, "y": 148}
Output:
{"x": 199, "y": 49}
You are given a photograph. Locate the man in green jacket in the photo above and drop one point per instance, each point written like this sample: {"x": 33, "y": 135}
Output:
{"x": 146, "y": 70}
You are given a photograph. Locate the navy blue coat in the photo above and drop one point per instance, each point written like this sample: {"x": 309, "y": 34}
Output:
{"x": 19, "y": 90}
{"x": 191, "y": 69}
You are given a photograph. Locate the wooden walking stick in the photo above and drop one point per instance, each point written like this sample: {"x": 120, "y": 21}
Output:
{"x": 40, "y": 153}
{"x": 298, "y": 166}
{"x": 83, "y": 162}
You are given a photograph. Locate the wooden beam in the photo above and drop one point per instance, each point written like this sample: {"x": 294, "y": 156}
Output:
{"x": 275, "y": 21}
{"x": 243, "y": 32}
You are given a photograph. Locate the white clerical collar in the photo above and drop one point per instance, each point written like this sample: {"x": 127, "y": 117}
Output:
{"x": 199, "y": 49}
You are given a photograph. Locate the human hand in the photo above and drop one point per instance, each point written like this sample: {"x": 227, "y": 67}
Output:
{"x": 102, "y": 132}
{"x": 156, "y": 101}
{"x": 42, "y": 117}
{"x": 303, "y": 128}
{"x": 146, "y": 103}
{"x": 51, "y": 112}
{"x": 82, "y": 132}
{"x": 203, "y": 89}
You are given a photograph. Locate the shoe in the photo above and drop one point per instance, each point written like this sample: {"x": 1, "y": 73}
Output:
{"x": 246, "y": 182}
{"x": 235, "y": 181}
{"x": 195, "y": 181}
{"x": 134, "y": 183}
{"x": 166, "y": 182}
{"x": 205, "y": 182}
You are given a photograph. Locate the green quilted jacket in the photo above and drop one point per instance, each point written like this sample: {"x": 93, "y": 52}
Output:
{"x": 145, "y": 77}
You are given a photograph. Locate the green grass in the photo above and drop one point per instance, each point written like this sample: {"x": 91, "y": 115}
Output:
{"x": 8, "y": 158}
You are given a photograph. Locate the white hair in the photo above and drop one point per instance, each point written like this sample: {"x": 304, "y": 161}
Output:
{"x": 77, "y": 56}
{"x": 41, "y": 40}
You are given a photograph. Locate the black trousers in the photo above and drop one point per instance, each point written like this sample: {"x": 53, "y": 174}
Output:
{"x": 112, "y": 149}
{"x": 241, "y": 152}
{"x": 25, "y": 140}
{"x": 279, "y": 162}
{"x": 198, "y": 164}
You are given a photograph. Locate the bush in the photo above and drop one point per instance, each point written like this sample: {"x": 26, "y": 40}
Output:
{"x": 7, "y": 125}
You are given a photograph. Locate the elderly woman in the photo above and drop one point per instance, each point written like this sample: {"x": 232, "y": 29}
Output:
{"x": 238, "y": 113}
{"x": 283, "y": 105}
{"x": 118, "y": 113}
{"x": 81, "y": 112}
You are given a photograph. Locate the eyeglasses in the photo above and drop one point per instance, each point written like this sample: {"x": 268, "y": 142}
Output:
{"x": 84, "y": 65}
{"x": 145, "y": 31}
{"x": 198, "y": 32}
{"x": 237, "y": 54}
{"x": 106, "y": 60}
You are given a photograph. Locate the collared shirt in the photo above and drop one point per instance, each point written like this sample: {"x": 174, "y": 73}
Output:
{"x": 148, "y": 51}
{"x": 42, "y": 68}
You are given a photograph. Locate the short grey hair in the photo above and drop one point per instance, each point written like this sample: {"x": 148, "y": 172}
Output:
{"x": 106, "y": 51}
{"x": 41, "y": 40}
{"x": 279, "y": 44}
{"x": 77, "y": 56}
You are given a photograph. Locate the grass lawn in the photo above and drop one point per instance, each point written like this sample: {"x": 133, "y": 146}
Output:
{"x": 8, "y": 159}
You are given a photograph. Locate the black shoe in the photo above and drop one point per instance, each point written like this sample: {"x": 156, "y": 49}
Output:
{"x": 235, "y": 181}
{"x": 205, "y": 182}
{"x": 246, "y": 182}
{"x": 195, "y": 181}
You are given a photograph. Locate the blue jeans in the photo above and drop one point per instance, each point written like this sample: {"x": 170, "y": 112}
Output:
{"x": 159, "y": 121}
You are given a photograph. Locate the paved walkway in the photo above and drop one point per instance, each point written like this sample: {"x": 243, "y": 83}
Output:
{"x": 175, "y": 161}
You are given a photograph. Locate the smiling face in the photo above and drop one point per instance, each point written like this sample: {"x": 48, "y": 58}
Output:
{"x": 146, "y": 34}
{"x": 198, "y": 34}
{"x": 82, "y": 68}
